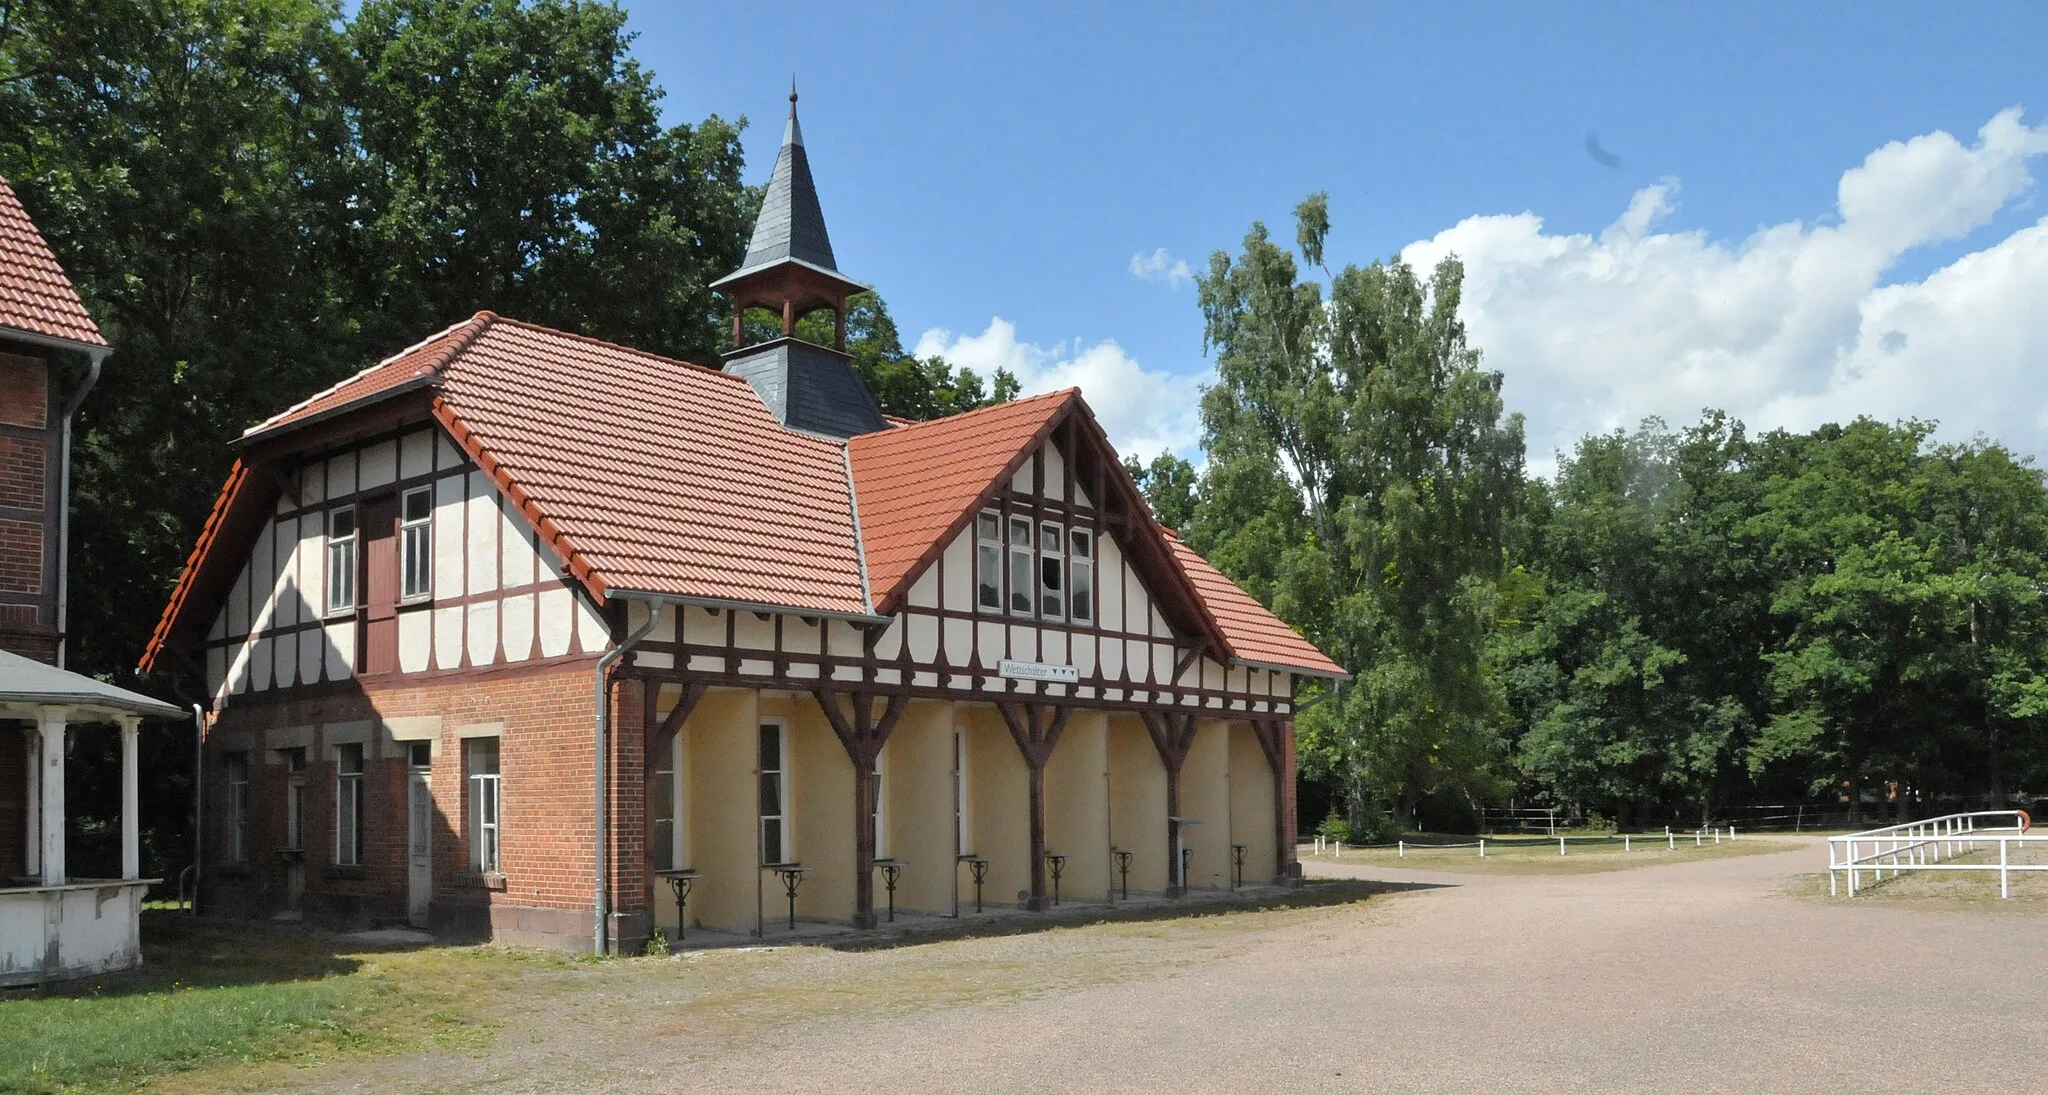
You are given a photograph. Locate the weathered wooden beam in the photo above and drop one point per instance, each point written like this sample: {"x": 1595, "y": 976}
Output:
{"x": 1036, "y": 728}
{"x": 862, "y": 735}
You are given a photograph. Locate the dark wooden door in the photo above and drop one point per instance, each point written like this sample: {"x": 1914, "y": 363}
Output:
{"x": 380, "y": 585}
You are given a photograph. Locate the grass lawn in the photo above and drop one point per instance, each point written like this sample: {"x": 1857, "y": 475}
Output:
{"x": 1538, "y": 855}
{"x": 211, "y": 992}
{"x": 1953, "y": 891}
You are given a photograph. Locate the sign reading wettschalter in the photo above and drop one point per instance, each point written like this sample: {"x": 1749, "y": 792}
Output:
{"x": 1037, "y": 671}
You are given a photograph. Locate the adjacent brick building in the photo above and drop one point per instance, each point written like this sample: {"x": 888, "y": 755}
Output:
{"x": 823, "y": 641}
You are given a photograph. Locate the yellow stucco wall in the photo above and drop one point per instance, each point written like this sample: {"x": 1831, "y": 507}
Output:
{"x": 999, "y": 807}
{"x": 1137, "y": 797}
{"x": 821, "y": 816}
{"x": 719, "y": 802}
{"x": 918, "y": 785}
{"x": 1251, "y": 804}
{"x": 1077, "y": 806}
{"x": 1205, "y": 797}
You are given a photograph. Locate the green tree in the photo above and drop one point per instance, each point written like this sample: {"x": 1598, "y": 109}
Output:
{"x": 902, "y": 383}
{"x": 1168, "y": 483}
{"x": 1361, "y": 475}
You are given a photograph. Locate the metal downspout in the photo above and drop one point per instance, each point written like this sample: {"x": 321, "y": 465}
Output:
{"x": 64, "y": 506}
{"x": 602, "y": 904}
{"x": 198, "y": 803}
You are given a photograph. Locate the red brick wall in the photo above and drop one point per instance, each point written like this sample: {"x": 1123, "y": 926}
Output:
{"x": 21, "y": 472}
{"x": 21, "y": 556}
{"x": 545, "y": 812}
{"x": 24, "y": 391}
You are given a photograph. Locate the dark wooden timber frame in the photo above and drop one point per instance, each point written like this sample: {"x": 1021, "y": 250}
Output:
{"x": 1173, "y": 734}
{"x": 1276, "y": 741}
{"x": 862, "y": 735}
{"x": 1036, "y": 728}
{"x": 658, "y": 732}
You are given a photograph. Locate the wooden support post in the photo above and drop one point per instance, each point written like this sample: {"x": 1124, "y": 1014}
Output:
{"x": 1276, "y": 740}
{"x": 656, "y": 734}
{"x": 1173, "y": 734}
{"x": 862, "y": 735}
{"x": 1036, "y": 728}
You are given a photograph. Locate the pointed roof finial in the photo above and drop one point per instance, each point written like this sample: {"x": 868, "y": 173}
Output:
{"x": 792, "y": 94}
{"x": 792, "y": 134}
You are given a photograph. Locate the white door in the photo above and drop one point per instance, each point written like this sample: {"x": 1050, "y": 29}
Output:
{"x": 419, "y": 856}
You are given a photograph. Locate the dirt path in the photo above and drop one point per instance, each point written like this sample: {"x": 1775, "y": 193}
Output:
{"x": 1697, "y": 977}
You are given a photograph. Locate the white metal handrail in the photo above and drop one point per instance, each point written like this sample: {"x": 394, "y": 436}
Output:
{"x": 1932, "y": 845}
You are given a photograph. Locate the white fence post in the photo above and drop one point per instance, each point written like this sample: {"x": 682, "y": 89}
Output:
{"x": 1400, "y": 849}
{"x": 1625, "y": 844}
{"x": 1482, "y": 847}
{"x": 1560, "y": 845}
{"x": 2004, "y": 888}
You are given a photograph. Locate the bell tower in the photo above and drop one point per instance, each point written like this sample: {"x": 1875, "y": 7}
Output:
{"x": 789, "y": 270}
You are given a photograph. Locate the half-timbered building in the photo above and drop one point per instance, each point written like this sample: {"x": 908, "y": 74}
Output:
{"x": 515, "y": 624}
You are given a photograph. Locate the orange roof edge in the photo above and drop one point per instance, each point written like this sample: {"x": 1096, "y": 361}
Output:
{"x": 230, "y": 493}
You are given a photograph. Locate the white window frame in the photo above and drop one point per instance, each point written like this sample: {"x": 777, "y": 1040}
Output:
{"x": 962, "y": 816}
{"x": 784, "y": 854}
{"x": 484, "y": 789}
{"x": 295, "y": 799}
{"x": 989, "y": 560}
{"x": 348, "y": 805}
{"x": 1052, "y": 603}
{"x": 238, "y": 807}
{"x": 1025, "y": 553}
{"x": 1081, "y": 562}
{"x": 669, "y": 770}
{"x": 416, "y": 545}
{"x": 881, "y": 804}
{"x": 343, "y": 561}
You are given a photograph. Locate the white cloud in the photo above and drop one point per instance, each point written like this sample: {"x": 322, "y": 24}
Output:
{"x": 1158, "y": 265}
{"x": 1791, "y": 326}
{"x": 1142, "y": 410}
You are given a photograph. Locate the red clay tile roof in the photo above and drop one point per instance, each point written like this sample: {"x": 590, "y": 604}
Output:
{"x": 418, "y": 362}
{"x": 35, "y": 296}
{"x": 1254, "y": 633}
{"x": 917, "y": 483}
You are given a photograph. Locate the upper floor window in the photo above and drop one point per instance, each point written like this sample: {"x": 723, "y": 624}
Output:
{"x": 774, "y": 796}
{"x": 482, "y": 761}
{"x": 988, "y": 560}
{"x": 1052, "y": 572}
{"x": 238, "y": 807}
{"x": 1080, "y": 575}
{"x": 295, "y": 799}
{"x": 416, "y": 544}
{"x": 1021, "y": 585}
{"x": 348, "y": 805}
{"x": 341, "y": 559}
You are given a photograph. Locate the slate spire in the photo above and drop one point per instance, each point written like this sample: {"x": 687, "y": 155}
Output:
{"x": 789, "y": 268}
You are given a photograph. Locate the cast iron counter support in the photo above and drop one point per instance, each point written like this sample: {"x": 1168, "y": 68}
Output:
{"x": 792, "y": 876}
{"x": 892, "y": 869}
{"x": 1237, "y": 866}
{"x": 1123, "y": 867}
{"x": 1055, "y": 862}
{"x": 680, "y": 881}
{"x": 978, "y": 867}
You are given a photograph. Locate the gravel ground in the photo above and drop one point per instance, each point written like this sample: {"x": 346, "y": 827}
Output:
{"x": 1707, "y": 976}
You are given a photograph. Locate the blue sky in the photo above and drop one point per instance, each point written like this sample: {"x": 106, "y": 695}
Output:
{"x": 981, "y": 163}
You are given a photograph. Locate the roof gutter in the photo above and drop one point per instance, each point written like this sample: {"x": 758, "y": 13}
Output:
{"x": 98, "y": 355}
{"x": 1295, "y": 669}
{"x": 722, "y": 604}
{"x": 601, "y": 904}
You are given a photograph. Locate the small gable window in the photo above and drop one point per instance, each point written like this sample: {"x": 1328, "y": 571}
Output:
{"x": 1081, "y": 572}
{"x": 988, "y": 561}
{"x": 1021, "y": 585}
{"x": 341, "y": 559}
{"x": 416, "y": 545}
{"x": 1052, "y": 586}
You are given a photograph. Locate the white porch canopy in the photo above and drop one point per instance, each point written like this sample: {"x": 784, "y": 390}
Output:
{"x": 73, "y": 934}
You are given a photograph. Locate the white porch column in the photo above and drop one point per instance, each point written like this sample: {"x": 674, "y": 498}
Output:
{"x": 32, "y": 800}
{"x": 131, "y": 812}
{"x": 50, "y": 723}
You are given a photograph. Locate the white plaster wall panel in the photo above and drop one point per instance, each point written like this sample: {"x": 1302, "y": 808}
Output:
{"x": 238, "y": 605}
{"x": 591, "y": 633}
{"x": 891, "y": 642}
{"x": 1052, "y": 646}
{"x": 1162, "y": 663}
{"x": 753, "y": 632}
{"x": 1159, "y": 628}
{"x": 313, "y": 484}
{"x": 341, "y": 475}
{"x": 415, "y": 641}
{"x": 1020, "y": 482}
{"x": 1055, "y": 473}
{"x": 706, "y": 663}
{"x": 517, "y": 559}
{"x": 1023, "y": 643}
{"x": 1083, "y": 654}
{"x": 1112, "y": 658}
{"x": 843, "y": 673}
{"x": 924, "y": 593}
{"x": 664, "y": 622}
{"x": 557, "y": 621}
{"x": 1081, "y": 497}
{"x": 959, "y": 641}
{"x": 960, "y": 572}
{"x": 481, "y": 635}
{"x": 415, "y": 454}
{"x": 262, "y": 580}
{"x": 286, "y": 594}
{"x": 653, "y": 660}
{"x": 805, "y": 670}
{"x": 888, "y": 676}
{"x": 312, "y": 556}
{"x": 1283, "y": 684}
{"x": 446, "y": 455}
{"x": 922, "y": 679}
{"x": 756, "y": 667}
{"x": 701, "y": 628}
{"x": 1137, "y": 660}
{"x": 482, "y": 537}
{"x": 922, "y": 632}
{"x": 1109, "y": 571}
{"x": 448, "y": 637}
{"x": 341, "y": 650}
{"x": 1136, "y": 609}
{"x": 1239, "y": 680}
{"x": 312, "y": 655}
{"x": 238, "y": 669}
{"x": 845, "y": 640}
{"x": 799, "y": 637}
{"x": 216, "y": 670}
{"x": 219, "y": 630}
{"x": 379, "y": 465}
{"x": 284, "y": 662}
{"x": 990, "y": 641}
{"x": 260, "y": 651}
{"x": 517, "y": 626}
